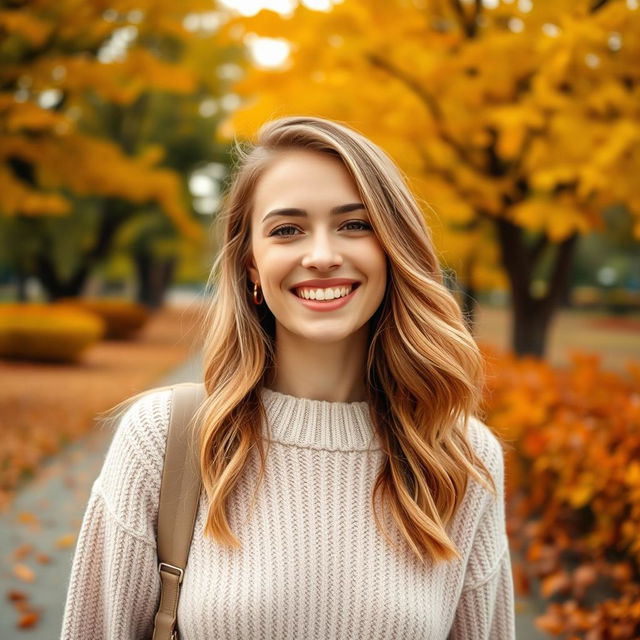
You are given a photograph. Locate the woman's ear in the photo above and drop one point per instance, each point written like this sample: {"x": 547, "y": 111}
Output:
{"x": 251, "y": 268}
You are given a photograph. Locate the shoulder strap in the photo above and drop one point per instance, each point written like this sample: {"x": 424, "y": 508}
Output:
{"x": 179, "y": 495}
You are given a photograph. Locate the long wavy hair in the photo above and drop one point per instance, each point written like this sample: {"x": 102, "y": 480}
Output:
{"x": 424, "y": 372}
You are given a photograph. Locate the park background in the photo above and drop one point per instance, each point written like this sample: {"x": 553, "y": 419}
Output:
{"x": 517, "y": 124}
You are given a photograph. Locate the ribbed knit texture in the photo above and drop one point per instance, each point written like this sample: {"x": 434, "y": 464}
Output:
{"x": 312, "y": 562}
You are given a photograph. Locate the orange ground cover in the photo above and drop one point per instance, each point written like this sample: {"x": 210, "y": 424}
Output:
{"x": 44, "y": 406}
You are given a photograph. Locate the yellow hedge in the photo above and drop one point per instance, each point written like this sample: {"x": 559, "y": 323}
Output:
{"x": 122, "y": 318}
{"x": 47, "y": 332}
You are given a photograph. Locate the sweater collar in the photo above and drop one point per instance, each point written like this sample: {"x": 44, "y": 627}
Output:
{"x": 318, "y": 424}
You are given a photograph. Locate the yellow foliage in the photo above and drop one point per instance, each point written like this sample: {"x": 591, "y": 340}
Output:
{"x": 31, "y": 117}
{"x": 560, "y": 217}
{"x": 527, "y": 114}
{"x": 28, "y": 26}
{"x": 17, "y": 197}
{"x": 87, "y": 165}
{"x": 62, "y": 156}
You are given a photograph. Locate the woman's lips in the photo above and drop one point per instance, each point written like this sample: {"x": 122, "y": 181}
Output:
{"x": 326, "y": 305}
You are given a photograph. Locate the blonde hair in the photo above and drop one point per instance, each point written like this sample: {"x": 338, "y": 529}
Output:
{"x": 424, "y": 370}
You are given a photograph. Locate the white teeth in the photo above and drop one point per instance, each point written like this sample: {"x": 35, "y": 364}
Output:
{"x": 324, "y": 294}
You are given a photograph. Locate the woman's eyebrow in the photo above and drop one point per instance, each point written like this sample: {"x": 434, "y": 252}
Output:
{"x": 289, "y": 211}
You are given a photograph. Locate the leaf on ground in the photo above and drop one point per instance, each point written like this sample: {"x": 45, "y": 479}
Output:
{"x": 521, "y": 579}
{"x": 26, "y": 517}
{"x": 28, "y": 619}
{"x": 43, "y": 558}
{"x": 14, "y": 595}
{"x": 25, "y": 573}
{"x": 22, "y": 551}
{"x": 551, "y": 622}
{"x": 22, "y": 606}
{"x": 556, "y": 582}
{"x": 66, "y": 541}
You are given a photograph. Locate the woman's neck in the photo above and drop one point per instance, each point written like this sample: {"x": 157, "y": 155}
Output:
{"x": 334, "y": 372}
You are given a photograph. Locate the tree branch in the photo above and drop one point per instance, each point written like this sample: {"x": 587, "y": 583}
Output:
{"x": 478, "y": 13}
{"x": 597, "y": 5}
{"x": 431, "y": 104}
{"x": 469, "y": 26}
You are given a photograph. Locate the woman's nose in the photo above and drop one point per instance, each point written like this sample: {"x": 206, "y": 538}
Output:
{"x": 322, "y": 253}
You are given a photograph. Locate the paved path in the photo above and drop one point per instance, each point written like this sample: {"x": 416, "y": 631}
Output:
{"x": 44, "y": 513}
{"x": 616, "y": 339}
{"x": 51, "y": 508}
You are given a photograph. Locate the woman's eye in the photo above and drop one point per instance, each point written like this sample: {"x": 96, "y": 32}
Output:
{"x": 276, "y": 232}
{"x": 364, "y": 226}
{"x": 288, "y": 230}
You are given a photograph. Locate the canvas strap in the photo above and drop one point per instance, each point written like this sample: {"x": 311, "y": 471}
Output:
{"x": 179, "y": 496}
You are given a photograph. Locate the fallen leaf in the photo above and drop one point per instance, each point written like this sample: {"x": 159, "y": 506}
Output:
{"x": 550, "y": 622}
{"x": 24, "y": 572}
{"x": 14, "y": 595}
{"x": 43, "y": 558}
{"x": 23, "y": 606}
{"x": 22, "y": 551}
{"x": 26, "y": 517}
{"x": 559, "y": 581}
{"x": 521, "y": 580}
{"x": 29, "y": 619}
{"x": 68, "y": 540}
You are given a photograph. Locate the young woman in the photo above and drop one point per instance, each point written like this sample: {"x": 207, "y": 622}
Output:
{"x": 349, "y": 488}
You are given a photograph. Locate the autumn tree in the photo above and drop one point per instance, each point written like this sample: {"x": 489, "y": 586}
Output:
{"x": 516, "y": 121}
{"x": 84, "y": 88}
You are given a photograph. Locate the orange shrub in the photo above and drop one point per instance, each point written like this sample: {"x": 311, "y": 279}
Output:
{"x": 573, "y": 485}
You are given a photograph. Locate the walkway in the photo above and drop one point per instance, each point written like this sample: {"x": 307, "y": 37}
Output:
{"x": 47, "y": 514}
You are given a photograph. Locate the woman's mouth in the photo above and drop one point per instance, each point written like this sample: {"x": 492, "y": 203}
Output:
{"x": 325, "y": 299}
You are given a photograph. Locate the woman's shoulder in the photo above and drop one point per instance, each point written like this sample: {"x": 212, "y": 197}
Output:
{"x": 486, "y": 445}
{"x": 129, "y": 481}
{"x": 141, "y": 430}
{"x": 489, "y": 450}
{"x": 481, "y": 509}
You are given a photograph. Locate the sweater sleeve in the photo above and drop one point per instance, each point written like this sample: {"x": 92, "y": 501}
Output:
{"x": 485, "y": 610}
{"x": 114, "y": 588}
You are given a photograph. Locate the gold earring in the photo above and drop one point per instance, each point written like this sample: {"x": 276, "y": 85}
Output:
{"x": 255, "y": 294}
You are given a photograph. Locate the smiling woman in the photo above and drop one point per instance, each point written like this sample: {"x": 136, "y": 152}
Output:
{"x": 329, "y": 241}
{"x": 339, "y": 434}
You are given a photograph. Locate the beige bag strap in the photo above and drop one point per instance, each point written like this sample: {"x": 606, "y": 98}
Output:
{"x": 179, "y": 496}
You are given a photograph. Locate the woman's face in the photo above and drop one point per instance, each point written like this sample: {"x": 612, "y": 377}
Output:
{"x": 309, "y": 223}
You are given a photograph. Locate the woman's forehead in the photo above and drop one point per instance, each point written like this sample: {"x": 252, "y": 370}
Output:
{"x": 300, "y": 176}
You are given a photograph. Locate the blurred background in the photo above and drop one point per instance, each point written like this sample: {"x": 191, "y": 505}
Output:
{"x": 516, "y": 123}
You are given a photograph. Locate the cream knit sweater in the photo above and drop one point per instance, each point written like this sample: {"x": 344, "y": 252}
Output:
{"x": 312, "y": 563}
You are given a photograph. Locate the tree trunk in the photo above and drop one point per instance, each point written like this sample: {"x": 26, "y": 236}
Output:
{"x": 154, "y": 277}
{"x": 53, "y": 285}
{"x": 114, "y": 213}
{"x": 531, "y": 320}
{"x": 532, "y": 316}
